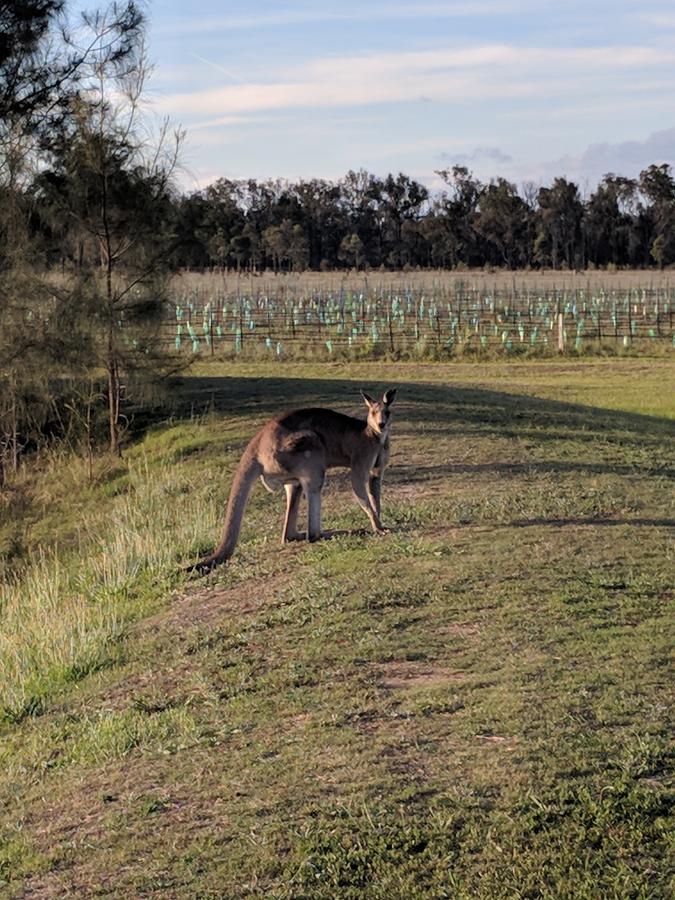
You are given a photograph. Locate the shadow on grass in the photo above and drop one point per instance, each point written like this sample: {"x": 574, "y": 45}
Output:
{"x": 414, "y": 474}
{"x": 444, "y": 409}
{"x": 330, "y": 533}
{"x": 582, "y": 520}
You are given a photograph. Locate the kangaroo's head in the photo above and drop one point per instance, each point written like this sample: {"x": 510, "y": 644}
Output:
{"x": 379, "y": 411}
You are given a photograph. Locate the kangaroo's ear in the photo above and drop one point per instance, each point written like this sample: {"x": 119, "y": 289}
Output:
{"x": 367, "y": 399}
{"x": 389, "y": 396}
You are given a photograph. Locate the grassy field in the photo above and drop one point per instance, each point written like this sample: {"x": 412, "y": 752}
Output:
{"x": 479, "y": 279}
{"x": 475, "y": 705}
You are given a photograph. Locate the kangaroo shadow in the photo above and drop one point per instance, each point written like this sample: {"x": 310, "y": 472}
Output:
{"x": 329, "y": 533}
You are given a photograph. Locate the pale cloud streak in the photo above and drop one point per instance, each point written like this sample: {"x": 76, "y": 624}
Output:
{"x": 218, "y": 68}
{"x": 481, "y": 72}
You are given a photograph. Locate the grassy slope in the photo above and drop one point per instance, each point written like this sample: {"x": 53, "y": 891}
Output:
{"x": 474, "y": 705}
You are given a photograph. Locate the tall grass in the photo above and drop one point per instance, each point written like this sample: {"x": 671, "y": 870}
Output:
{"x": 63, "y": 615}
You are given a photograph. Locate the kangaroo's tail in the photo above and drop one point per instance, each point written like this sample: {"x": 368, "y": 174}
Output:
{"x": 247, "y": 471}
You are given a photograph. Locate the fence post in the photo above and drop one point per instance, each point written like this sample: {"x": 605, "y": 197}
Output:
{"x": 658, "y": 315}
{"x": 630, "y": 327}
{"x": 391, "y": 331}
{"x": 561, "y": 334}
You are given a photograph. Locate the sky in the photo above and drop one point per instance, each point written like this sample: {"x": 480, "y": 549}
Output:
{"x": 525, "y": 90}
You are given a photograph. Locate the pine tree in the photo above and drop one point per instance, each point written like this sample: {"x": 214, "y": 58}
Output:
{"x": 115, "y": 193}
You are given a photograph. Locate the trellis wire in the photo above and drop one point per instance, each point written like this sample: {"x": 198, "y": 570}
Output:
{"x": 416, "y": 320}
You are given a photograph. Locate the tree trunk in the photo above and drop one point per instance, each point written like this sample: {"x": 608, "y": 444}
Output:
{"x": 112, "y": 363}
{"x": 15, "y": 438}
{"x": 114, "y": 403}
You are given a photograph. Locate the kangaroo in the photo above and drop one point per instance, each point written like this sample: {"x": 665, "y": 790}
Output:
{"x": 294, "y": 449}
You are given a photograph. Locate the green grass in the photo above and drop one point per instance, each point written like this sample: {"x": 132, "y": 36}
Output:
{"x": 475, "y": 705}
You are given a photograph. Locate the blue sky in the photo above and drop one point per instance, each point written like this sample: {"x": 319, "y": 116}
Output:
{"x": 522, "y": 89}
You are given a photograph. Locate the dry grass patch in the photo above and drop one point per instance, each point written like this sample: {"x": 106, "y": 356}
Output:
{"x": 408, "y": 675}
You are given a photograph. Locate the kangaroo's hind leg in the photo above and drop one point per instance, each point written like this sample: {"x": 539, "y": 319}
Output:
{"x": 314, "y": 515}
{"x": 312, "y": 485}
{"x": 304, "y": 460}
{"x": 290, "y": 532}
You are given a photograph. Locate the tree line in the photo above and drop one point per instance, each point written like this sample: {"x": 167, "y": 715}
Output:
{"x": 366, "y": 221}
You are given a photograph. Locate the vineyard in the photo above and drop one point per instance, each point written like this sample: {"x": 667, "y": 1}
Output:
{"x": 437, "y": 321}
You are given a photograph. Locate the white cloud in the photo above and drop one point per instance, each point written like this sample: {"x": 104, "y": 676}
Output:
{"x": 224, "y": 121}
{"x": 490, "y": 71}
{"x": 491, "y": 55}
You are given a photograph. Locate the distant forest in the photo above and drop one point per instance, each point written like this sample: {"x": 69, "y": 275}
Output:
{"x": 366, "y": 221}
